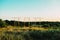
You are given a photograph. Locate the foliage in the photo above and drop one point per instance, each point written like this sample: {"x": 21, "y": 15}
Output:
{"x": 2, "y": 23}
{"x": 29, "y": 24}
{"x": 31, "y": 35}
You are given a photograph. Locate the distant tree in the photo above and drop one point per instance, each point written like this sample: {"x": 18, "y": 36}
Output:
{"x": 45, "y": 25}
{"x": 7, "y": 22}
{"x": 2, "y": 23}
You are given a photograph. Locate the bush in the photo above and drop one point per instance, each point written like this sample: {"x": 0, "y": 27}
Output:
{"x": 2, "y": 23}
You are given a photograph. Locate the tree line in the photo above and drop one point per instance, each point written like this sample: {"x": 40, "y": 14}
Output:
{"x": 4, "y": 23}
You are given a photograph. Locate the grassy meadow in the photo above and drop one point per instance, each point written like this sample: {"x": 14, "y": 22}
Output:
{"x": 27, "y": 33}
{"x": 15, "y": 30}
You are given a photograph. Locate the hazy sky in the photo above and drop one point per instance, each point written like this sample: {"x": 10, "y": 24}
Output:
{"x": 30, "y": 8}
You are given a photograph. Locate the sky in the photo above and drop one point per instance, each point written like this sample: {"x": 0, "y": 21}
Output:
{"x": 30, "y": 8}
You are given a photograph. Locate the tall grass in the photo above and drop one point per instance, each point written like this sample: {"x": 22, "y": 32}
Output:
{"x": 30, "y": 35}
